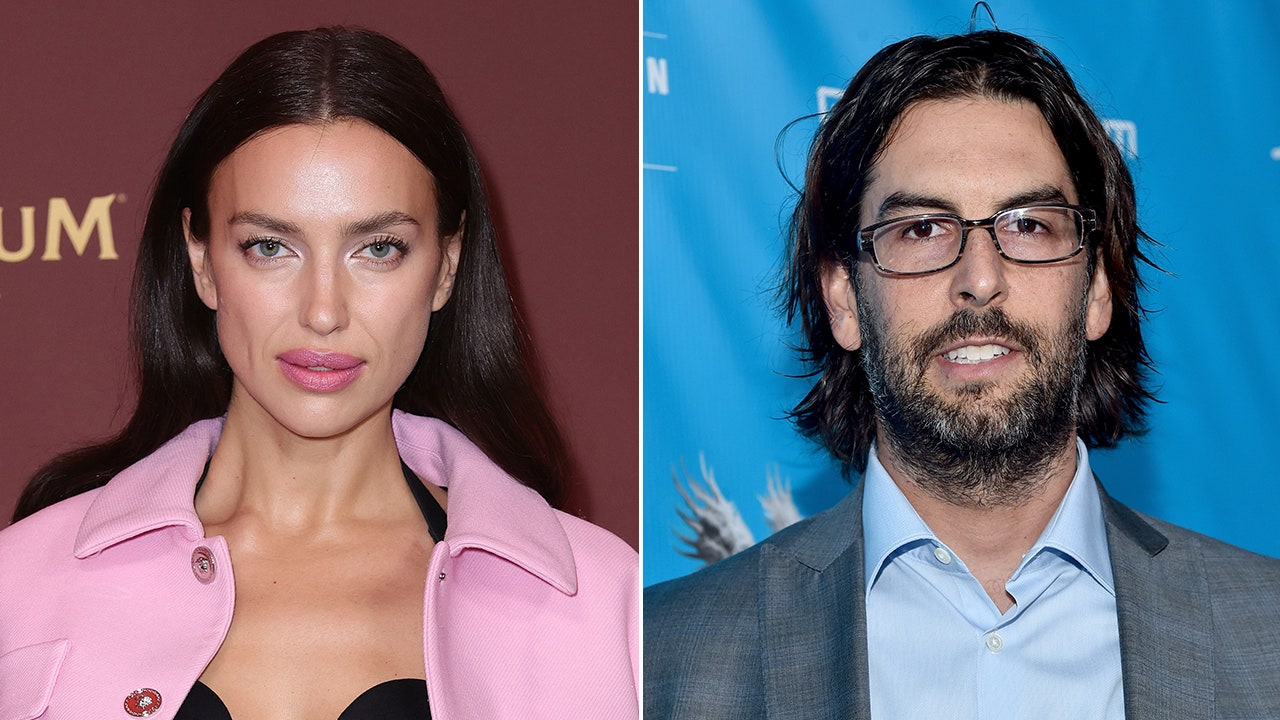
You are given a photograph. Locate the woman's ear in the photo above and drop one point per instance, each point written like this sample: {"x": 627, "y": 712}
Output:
{"x": 450, "y": 251}
{"x": 842, "y": 306}
{"x": 201, "y": 268}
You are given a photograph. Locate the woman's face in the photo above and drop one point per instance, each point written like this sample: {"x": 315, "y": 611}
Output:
{"x": 324, "y": 265}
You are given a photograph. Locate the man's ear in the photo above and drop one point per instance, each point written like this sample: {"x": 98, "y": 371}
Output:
{"x": 1097, "y": 316}
{"x": 842, "y": 308}
{"x": 201, "y": 268}
{"x": 451, "y": 250}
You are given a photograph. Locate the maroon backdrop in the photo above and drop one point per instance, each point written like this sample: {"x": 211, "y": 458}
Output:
{"x": 92, "y": 94}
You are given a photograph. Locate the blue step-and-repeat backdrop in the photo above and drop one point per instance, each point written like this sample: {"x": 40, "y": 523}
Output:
{"x": 1191, "y": 92}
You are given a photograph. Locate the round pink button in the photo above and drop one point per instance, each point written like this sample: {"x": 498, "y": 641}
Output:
{"x": 202, "y": 564}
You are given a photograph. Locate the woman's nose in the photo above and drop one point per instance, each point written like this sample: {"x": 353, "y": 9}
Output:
{"x": 324, "y": 307}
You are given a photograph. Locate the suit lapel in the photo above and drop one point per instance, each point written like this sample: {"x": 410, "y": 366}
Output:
{"x": 813, "y": 619}
{"x": 1162, "y": 603}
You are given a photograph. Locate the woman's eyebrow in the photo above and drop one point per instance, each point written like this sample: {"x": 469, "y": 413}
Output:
{"x": 363, "y": 226}
{"x": 264, "y": 221}
{"x": 381, "y": 221}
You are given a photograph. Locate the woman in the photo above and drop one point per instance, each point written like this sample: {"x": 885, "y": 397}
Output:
{"x": 333, "y": 401}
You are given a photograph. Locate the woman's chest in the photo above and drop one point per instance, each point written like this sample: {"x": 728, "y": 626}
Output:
{"x": 310, "y": 633}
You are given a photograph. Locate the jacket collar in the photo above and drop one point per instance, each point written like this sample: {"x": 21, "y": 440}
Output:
{"x": 488, "y": 509}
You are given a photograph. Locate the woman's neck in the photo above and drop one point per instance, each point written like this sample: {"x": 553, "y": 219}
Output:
{"x": 291, "y": 483}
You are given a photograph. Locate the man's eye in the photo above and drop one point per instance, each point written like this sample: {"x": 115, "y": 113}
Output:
{"x": 924, "y": 229}
{"x": 1028, "y": 226}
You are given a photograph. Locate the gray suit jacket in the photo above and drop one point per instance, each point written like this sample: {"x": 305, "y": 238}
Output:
{"x": 779, "y": 630}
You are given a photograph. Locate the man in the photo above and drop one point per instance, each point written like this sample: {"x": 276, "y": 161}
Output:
{"x": 965, "y": 268}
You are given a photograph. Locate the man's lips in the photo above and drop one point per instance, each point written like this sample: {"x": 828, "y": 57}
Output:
{"x": 319, "y": 371}
{"x": 972, "y": 351}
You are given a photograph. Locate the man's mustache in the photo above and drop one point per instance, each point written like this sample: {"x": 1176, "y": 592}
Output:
{"x": 972, "y": 323}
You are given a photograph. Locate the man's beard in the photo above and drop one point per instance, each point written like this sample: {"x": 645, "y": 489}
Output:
{"x": 977, "y": 449}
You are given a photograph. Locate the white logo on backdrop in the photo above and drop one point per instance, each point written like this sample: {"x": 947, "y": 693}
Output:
{"x": 718, "y": 528}
{"x": 657, "y": 82}
{"x": 655, "y": 71}
{"x": 828, "y": 96}
{"x": 657, "y": 79}
{"x": 1124, "y": 133}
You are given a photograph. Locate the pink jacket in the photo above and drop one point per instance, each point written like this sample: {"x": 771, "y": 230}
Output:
{"x": 118, "y": 589}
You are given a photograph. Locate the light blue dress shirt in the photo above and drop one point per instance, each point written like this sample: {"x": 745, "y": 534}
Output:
{"x": 939, "y": 647}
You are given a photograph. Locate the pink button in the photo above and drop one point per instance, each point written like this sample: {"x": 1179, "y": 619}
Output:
{"x": 202, "y": 564}
{"x": 142, "y": 702}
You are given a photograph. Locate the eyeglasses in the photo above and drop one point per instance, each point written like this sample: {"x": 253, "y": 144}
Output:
{"x": 920, "y": 244}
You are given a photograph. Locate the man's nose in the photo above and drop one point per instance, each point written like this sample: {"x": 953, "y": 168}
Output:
{"x": 978, "y": 278}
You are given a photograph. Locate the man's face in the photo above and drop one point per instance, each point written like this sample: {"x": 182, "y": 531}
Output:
{"x": 975, "y": 369}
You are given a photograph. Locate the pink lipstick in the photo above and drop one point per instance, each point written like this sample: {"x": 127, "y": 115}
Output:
{"x": 319, "y": 371}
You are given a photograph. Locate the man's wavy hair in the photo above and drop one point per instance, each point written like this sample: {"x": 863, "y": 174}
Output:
{"x": 838, "y": 412}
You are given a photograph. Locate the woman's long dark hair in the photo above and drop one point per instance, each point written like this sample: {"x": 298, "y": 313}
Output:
{"x": 472, "y": 373}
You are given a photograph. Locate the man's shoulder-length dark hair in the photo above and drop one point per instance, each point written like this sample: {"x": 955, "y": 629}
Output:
{"x": 473, "y": 371}
{"x": 838, "y": 410}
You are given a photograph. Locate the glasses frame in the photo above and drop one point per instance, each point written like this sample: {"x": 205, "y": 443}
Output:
{"x": 1088, "y": 224}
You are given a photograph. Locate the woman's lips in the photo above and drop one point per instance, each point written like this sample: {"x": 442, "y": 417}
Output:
{"x": 319, "y": 371}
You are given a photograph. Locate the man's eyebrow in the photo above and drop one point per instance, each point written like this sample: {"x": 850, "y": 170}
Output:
{"x": 915, "y": 201}
{"x": 1035, "y": 196}
{"x": 903, "y": 200}
{"x": 381, "y": 221}
{"x": 264, "y": 221}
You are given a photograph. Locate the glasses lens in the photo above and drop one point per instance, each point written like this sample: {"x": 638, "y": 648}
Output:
{"x": 1039, "y": 234}
{"x": 917, "y": 244}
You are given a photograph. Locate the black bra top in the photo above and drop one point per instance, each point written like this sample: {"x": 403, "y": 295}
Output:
{"x": 403, "y": 699}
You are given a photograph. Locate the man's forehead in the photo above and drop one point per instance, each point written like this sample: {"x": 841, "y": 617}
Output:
{"x": 966, "y": 155}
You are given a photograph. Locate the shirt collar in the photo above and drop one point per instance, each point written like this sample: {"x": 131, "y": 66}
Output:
{"x": 1077, "y": 528}
{"x": 488, "y": 510}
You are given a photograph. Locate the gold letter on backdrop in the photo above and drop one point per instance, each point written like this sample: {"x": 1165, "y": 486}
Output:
{"x": 98, "y": 216}
{"x": 28, "y": 236}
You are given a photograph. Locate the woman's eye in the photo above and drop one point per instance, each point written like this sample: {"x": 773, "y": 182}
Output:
{"x": 264, "y": 248}
{"x": 383, "y": 249}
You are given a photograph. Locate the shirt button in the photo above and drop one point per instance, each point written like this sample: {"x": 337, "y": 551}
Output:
{"x": 943, "y": 556}
{"x": 142, "y": 702}
{"x": 995, "y": 643}
{"x": 202, "y": 565}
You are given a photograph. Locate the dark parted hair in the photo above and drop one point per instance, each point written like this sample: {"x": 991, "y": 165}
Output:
{"x": 473, "y": 372}
{"x": 838, "y": 411}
